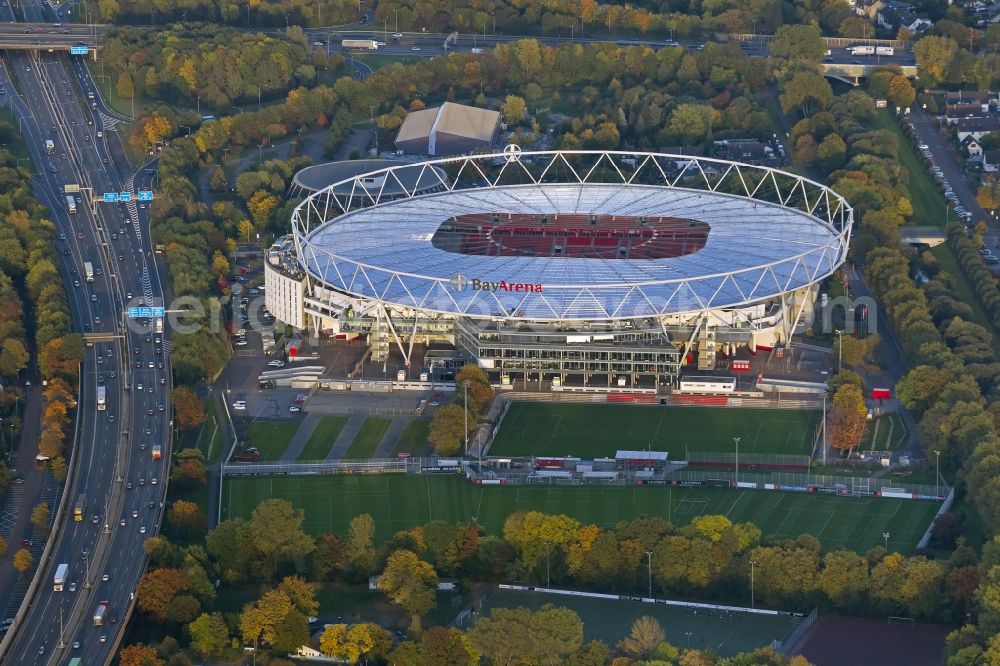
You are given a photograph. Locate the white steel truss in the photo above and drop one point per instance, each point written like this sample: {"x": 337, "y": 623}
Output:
{"x": 771, "y": 233}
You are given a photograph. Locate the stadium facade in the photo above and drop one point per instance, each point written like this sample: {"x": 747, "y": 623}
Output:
{"x": 561, "y": 268}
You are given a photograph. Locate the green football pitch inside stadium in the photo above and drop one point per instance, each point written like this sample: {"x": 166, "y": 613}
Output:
{"x": 398, "y": 502}
{"x": 597, "y": 430}
{"x": 610, "y": 620}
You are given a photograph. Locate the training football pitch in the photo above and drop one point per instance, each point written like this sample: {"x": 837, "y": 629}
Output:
{"x": 399, "y": 502}
{"x": 610, "y": 620}
{"x": 597, "y": 431}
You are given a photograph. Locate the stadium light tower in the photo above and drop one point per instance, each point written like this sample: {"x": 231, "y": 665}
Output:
{"x": 649, "y": 558}
{"x": 737, "y": 440}
{"x": 752, "y": 565}
{"x": 548, "y": 577}
{"x": 937, "y": 473}
{"x": 885, "y": 537}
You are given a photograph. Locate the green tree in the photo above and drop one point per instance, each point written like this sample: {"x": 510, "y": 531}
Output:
{"x": 277, "y": 534}
{"x": 411, "y": 583}
{"x": 209, "y": 634}
{"x": 691, "y": 123}
{"x": 361, "y": 543}
{"x": 934, "y": 55}
{"x": 807, "y": 93}
{"x": 798, "y": 42}
{"x": 548, "y": 636}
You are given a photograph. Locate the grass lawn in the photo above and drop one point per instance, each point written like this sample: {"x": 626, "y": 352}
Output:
{"x": 401, "y": 502}
{"x": 964, "y": 290}
{"x": 588, "y": 430}
{"x": 271, "y": 437}
{"x": 367, "y": 439}
{"x": 610, "y": 620}
{"x": 210, "y": 442}
{"x": 323, "y": 437}
{"x": 413, "y": 440}
{"x": 378, "y": 61}
{"x": 928, "y": 205}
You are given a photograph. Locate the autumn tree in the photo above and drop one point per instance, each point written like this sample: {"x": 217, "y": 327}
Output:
{"x": 446, "y": 432}
{"x": 411, "y": 583}
{"x": 23, "y": 560}
{"x": 275, "y": 620}
{"x": 301, "y": 593}
{"x": 189, "y": 468}
{"x": 514, "y": 108}
{"x": 188, "y": 408}
{"x": 40, "y": 517}
{"x": 186, "y": 520}
{"x": 362, "y": 640}
{"x": 328, "y": 557}
{"x": 139, "y": 655}
{"x": 518, "y": 635}
{"x": 847, "y": 418}
{"x": 438, "y": 645}
{"x": 124, "y": 87}
{"x": 157, "y": 589}
{"x": 807, "y": 92}
{"x": 644, "y": 638}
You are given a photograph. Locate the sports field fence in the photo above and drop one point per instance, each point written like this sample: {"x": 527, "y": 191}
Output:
{"x": 797, "y": 633}
{"x": 748, "y": 461}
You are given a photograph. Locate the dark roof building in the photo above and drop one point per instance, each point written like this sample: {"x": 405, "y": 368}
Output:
{"x": 450, "y": 129}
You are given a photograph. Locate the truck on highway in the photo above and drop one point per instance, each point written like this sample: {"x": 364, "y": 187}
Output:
{"x": 862, "y": 50}
{"x": 80, "y": 507}
{"x": 50, "y": 146}
{"x": 102, "y": 610}
{"x": 70, "y": 204}
{"x": 60, "y": 578}
{"x": 102, "y": 398}
{"x": 885, "y": 50}
{"x": 159, "y": 324}
{"x": 157, "y": 452}
{"x": 366, "y": 44}
{"x": 88, "y": 271}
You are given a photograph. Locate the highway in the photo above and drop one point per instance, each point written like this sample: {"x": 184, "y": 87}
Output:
{"x": 45, "y": 36}
{"x": 113, "y": 465}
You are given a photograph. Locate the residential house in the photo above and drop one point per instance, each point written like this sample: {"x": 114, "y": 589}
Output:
{"x": 750, "y": 151}
{"x": 981, "y": 97}
{"x": 955, "y": 112}
{"x": 971, "y": 147}
{"x": 868, "y": 8}
{"x": 887, "y": 18}
{"x": 976, "y": 127}
{"x": 991, "y": 160}
{"x": 915, "y": 24}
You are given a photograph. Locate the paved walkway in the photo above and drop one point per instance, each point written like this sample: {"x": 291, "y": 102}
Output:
{"x": 388, "y": 443}
{"x": 301, "y": 436}
{"x": 345, "y": 438}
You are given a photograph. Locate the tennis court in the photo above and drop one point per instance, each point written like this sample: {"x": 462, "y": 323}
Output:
{"x": 398, "y": 502}
{"x": 595, "y": 430}
{"x": 610, "y": 620}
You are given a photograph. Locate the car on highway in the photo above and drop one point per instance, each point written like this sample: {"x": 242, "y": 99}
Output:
{"x": 72, "y": 586}
{"x": 240, "y": 405}
{"x": 142, "y": 530}
{"x": 105, "y": 578}
{"x": 276, "y": 363}
{"x": 135, "y": 513}
{"x": 139, "y": 386}
{"x": 294, "y": 408}
{"x": 93, "y": 298}
{"x": 415, "y": 48}
{"x": 122, "y": 521}
{"x": 95, "y": 519}
{"x": 76, "y": 645}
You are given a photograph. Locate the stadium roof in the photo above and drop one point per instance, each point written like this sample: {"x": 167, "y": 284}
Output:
{"x": 754, "y": 251}
{"x": 449, "y": 118}
{"x": 406, "y": 178}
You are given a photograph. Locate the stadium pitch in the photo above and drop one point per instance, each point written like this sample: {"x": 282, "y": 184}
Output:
{"x": 597, "y": 431}
{"x": 610, "y": 620}
{"x": 399, "y": 502}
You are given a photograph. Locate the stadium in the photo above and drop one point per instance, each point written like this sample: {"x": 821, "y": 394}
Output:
{"x": 560, "y": 268}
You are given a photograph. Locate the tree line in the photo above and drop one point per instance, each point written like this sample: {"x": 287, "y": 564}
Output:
{"x": 257, "y": 14}
{"x": 707, "y": 559}
{"x": 34, "y": 314}
{"x": 950, "y": 387}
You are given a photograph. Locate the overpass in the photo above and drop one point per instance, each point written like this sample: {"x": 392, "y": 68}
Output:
{"x": 49, "y": 37}
{"x": 932, "y": 236}
{"x": 852, "y": 72}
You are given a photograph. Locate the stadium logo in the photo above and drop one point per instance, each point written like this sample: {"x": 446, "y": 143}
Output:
{"x": 459, "y": 282}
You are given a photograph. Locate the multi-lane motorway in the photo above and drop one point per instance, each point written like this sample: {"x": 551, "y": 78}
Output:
{"x": 112, "y": 463}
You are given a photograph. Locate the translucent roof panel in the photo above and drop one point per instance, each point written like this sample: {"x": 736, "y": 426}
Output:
{"x": 754, "y": 250}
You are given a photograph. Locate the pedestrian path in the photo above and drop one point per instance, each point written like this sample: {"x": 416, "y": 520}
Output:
{"x": 301, "y": 436}
{"x": 388, "y": 443}
{"x": 345, "y": 438}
